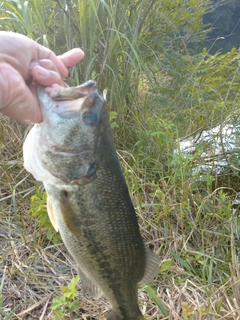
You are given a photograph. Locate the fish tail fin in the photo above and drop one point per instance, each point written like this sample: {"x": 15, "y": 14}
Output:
{"x": 112, "y": 315}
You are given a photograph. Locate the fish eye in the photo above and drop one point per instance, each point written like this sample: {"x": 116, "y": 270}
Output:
{"x": 90, "y": 117}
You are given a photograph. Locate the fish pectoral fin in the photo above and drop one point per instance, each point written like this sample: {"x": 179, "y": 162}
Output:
{"x": 69, "y": 217}
{"x": 52, "y": 215}
{"x": 96, "y": 293}
{"x": 151, "y": 267}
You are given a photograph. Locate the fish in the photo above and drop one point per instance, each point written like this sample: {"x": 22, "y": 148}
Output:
{"x": 73, "y": 153}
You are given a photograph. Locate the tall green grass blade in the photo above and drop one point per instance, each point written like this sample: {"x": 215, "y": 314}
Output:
{"x": 155, "y": 298}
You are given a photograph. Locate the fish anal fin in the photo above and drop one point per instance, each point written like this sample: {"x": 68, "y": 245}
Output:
{"x": 88, "y": 284}
{"x": 96, "y": 293}
{"x": 151, "y": 267}
{"x": 51, "y": 214}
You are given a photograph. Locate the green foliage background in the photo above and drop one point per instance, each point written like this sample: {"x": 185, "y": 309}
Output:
{"x": 162, "y": 85}
{"x": 143, "y": 52}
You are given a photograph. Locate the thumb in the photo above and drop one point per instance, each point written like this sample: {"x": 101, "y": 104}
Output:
{"x": 16, "y": 99}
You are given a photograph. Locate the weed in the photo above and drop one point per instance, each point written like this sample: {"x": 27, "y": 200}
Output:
{"x": 66, "y": 303}
{"x": 39, "y": 211}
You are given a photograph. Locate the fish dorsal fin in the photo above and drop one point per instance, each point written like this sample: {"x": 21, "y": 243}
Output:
{"x": 151, "y": 267}
{"x": 87, "y": 284}
{"x": 51, "y": 214}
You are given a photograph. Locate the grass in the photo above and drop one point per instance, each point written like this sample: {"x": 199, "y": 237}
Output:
{"x": 158, "y": 92}
{"x": 194, "y": 232}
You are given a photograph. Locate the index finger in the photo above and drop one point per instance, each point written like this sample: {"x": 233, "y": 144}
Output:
{"x": 72, "y": 57}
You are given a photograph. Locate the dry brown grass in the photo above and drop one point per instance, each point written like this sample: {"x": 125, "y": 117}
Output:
{"x": 33, "y": 270}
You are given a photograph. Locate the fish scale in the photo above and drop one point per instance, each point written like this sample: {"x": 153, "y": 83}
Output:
{"x": 72, "y": 152}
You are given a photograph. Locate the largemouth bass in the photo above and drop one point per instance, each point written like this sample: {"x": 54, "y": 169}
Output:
{"x": 72, "y": 152}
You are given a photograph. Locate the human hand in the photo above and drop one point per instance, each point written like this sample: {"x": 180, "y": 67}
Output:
{"x": 23, "y": 60}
